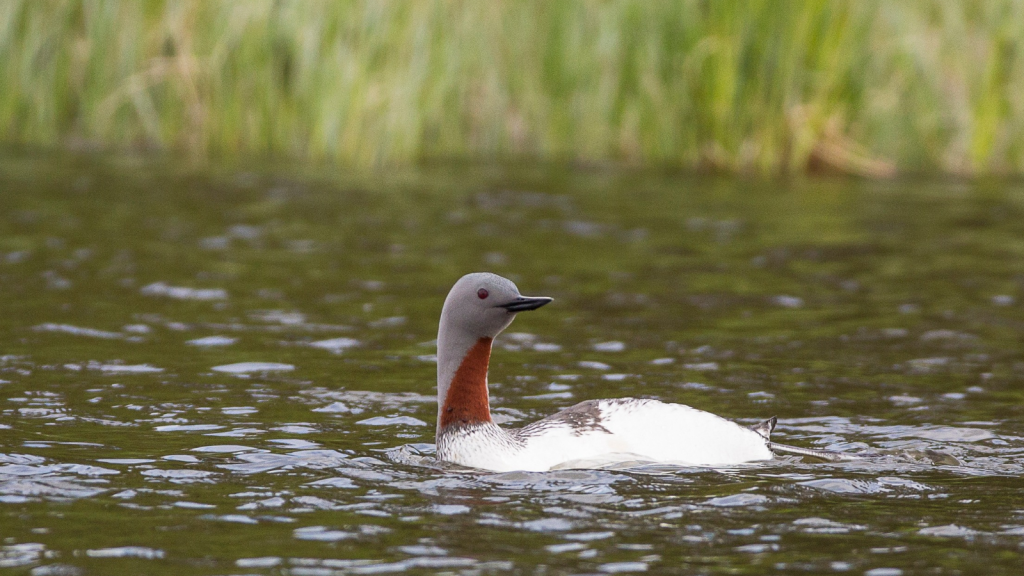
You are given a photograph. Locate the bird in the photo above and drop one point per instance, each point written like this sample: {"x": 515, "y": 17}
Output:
{"x": 590, "y": 434}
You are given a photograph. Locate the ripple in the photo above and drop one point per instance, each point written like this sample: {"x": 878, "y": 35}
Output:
{"x": 53, "y": 487}
{"x": 223, "y": 448}
{"x": 78, "y": 331}
{"x": 556, "y": 395}
{"x": 420, "y": 550}
{"x": 180, "y": 475}
{"x": 323, "y": 534}
{"x": 884, "y": 572}
{"x": 336, "y": 345}
{"x": 210, "y": 341}
{"x": 37, "y": 470}
{"x": 392, "y": 421}
{"x": 275, "y": 502}
{"x": 250, "y": 367}
{"x": 333, "y": 483}
{"x": 187, "y": 427}
{"x": 336, "y": 407}
{"x": 389, "y": 322}
{"x": 21, "y": 459}
{"x": 181, "y": 458}
{"x": 949, "y": 531}
{"x": 816, "y": 525}
{"x": 236, "y": 433}
{"x": 126, "y": 368}
{"x": 262, "y": 562}
{"x": 589, "y": 536}
{"x": 431, "y": 562}
{"x": 622, "y": 567}
{"x": 743, "y": 499}
{"x": 236, "y": 518}
{"x": 57, "y": 570}
{"x": 13, "y": 555}
{"x": 786, "y": 301}
{"x": 295, "y": 429}
{"x": 363, "y": 400}
{"x": 854, "y": 486}
{"x": 563, "y": 548}
{"x": 126, "y": 552}
{"x": 279, "y": 317}
{"x": 702, "y": 366}
{"x": 184, "y": 293}
{"x": 193, "y": 505}
{"x": 951, "y": 434}
{"x": 257, "y": 462}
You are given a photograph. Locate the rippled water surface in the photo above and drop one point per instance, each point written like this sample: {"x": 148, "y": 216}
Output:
{"x": 231, "y": 372}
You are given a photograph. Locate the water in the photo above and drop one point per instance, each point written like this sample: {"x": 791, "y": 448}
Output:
{"x": 231, "y": 372}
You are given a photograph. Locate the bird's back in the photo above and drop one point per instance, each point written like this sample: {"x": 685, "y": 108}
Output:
{"x": 637, "y": 429}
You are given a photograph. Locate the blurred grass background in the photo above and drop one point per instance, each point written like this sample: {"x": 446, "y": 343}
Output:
{"x": 759, "y": 86}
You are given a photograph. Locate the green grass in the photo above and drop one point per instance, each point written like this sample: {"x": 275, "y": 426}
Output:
{"x": 866, "y": 87}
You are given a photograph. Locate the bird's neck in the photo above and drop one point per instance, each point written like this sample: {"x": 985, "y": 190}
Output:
{"x": 462, "y": 397}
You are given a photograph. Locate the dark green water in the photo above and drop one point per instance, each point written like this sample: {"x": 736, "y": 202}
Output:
{"x": 872, "y": 318}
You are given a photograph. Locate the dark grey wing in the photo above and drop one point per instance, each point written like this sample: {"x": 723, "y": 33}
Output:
{"x": 583, "y": 418}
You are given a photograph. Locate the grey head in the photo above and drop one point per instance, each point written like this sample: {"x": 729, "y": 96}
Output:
{"x": 477, "y": 309}
{"x": 481, "y": 305}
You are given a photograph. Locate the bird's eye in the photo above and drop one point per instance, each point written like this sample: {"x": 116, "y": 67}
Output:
{"x": 482, "y": 293}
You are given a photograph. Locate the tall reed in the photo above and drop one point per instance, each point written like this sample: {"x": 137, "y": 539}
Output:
{"x": 764, "y": 86}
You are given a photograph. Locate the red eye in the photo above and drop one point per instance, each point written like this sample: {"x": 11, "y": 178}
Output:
{"x": 482, "y": 293}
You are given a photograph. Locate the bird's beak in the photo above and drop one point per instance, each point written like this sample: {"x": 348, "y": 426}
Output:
{"x": 524, "y": 303}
